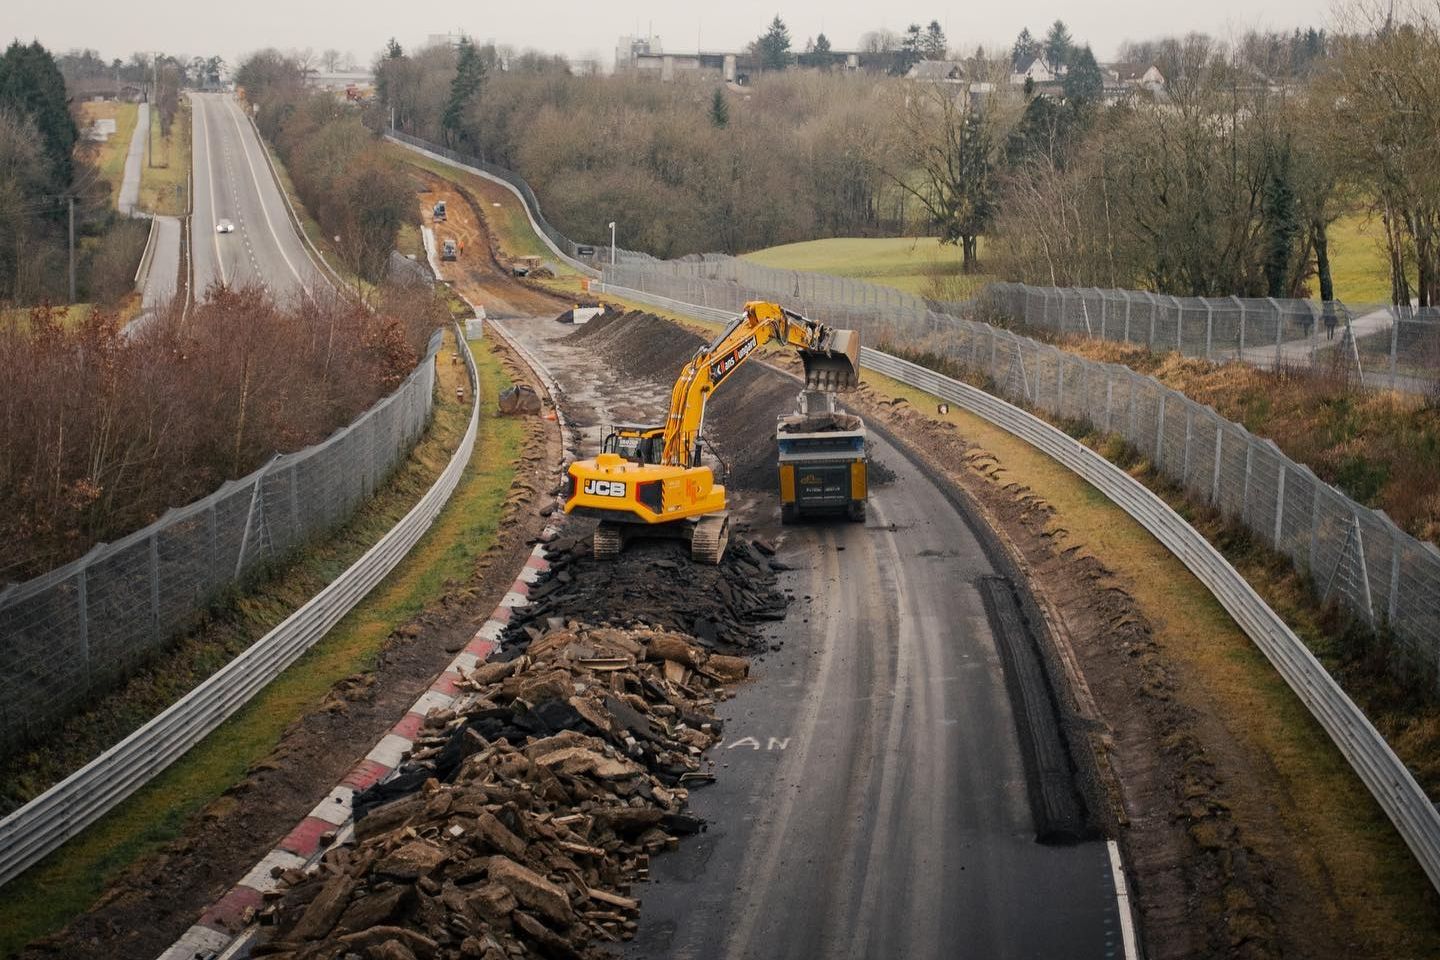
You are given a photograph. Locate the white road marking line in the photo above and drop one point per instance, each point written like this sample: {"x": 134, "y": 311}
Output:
{"x": 260, "y": 196}
{"x": 1122, "y": 902}
{"x": 210, "y": 176}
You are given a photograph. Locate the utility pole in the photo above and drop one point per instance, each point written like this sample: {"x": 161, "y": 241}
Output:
{"x": 150, "y": 107}
{"x": 72, "y": 248}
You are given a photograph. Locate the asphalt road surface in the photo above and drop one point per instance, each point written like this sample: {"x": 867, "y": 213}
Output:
{"x": 135, "y": 154}
{"x": 233, "y": 182}
{"x": 872, "y": 798}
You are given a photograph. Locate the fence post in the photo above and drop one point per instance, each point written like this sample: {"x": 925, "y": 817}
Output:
{"x": 155, "y": 583}
{"x": 1160, "y": 431}
{"x": 1103, "y": 311}
{"x": 1179, "y": 325}
{"x": 1185, "y": 457}
{"x": 1127, "y": 315}
{"x": 1279, "y": 329}
{"x": 1280, "y": 504}
{"x": 1109, "y": 392}
{"x": 82, "y": 600}
{"x": 1215, "y": 478}
{"x": 1392, "y": 609}
{"x": 1209, "y": 326}
{"x": 1240, "y": 350}
{"x": 1245, "y": 484}
{"x": 1394, "y": 346}
{"x": 1154, "y": 308}
{"x": 1314, "y": 526}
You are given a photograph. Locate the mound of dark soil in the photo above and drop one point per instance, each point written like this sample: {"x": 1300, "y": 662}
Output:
{"x": 654, "y": 584}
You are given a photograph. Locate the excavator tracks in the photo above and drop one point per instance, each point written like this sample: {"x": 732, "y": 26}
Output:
{"x": 709, "y": 538}
{"x": 608, "y": 541}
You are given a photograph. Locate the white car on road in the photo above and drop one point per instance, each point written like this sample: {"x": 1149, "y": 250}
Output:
{"x": 224, "y": 226}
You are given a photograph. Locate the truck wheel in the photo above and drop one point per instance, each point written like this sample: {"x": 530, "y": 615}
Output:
{"x": 856, "y": 511}
{"x": 788, "y": 513}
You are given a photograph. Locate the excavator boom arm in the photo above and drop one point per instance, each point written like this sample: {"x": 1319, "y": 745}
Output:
{"x": 830, "y": 355}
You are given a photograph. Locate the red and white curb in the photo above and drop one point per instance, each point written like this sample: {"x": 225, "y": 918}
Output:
{"x": 221, "y": 925}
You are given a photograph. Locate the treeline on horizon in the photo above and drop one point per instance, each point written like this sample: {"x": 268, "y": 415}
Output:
{"x": 1223, "y": 181}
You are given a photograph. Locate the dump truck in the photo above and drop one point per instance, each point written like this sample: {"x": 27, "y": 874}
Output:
{"x": 648, "y": 479}
{"x": 447, "y": 250}
{"x": 439, "y": 212}
{"x": 822, "y": 461}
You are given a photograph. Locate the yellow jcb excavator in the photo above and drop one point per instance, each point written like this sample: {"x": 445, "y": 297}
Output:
{"x": 649, "y": 480}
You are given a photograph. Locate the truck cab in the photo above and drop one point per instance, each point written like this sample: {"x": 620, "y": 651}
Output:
{"x": 439, "y": 212}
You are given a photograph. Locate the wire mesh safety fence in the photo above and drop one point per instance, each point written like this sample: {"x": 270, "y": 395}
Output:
{"x": 1380, "y": 345}
{"x": 71, "y": 633}
{"x": 1354, "y": 555}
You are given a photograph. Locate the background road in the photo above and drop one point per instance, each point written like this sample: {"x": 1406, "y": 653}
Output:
{"x": 130, "y": 181}
{"x": 233, "y": 182}
{"x": 872, "y": 797}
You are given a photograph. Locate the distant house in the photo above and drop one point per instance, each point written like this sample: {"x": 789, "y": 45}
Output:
{"x": 1144, "y": 76}
{"x": 937, "y": 71}
{"x": 1036, "y": 71}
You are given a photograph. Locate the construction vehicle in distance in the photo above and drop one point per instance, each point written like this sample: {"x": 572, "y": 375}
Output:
{"x": 822, "y": 461}
{"x": 447, "y": 249}
{"x": 439, "y": 212}
{"x": 650, "y": 481}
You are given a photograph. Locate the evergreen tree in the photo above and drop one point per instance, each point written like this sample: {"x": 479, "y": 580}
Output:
{"x": 933, "y": 44}
{"x": 1058, "y": 46}
{"x": 1084, "y": 84}
{"x": 469, "y": 78}
{"x": 719, "y": 109}
{"x": 822, "y": 44}
{"x": 393, "y": 50}
{"x": 31, "y": 85}
{"x": 911, "y": 49}
{"x": 1026, "y": 48}
{"x": 773, "y": 47}
{"x": 1282, "y": 223}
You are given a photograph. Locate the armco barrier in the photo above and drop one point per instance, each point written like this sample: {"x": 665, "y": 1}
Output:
{"x": 64, "y": 810}
{"x": 1382, "y": 772}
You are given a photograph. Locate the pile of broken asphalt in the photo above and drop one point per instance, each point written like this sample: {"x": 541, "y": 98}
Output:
{"x": 529, "y": 809}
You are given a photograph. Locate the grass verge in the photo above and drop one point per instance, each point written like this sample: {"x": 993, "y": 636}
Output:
{"x": 165, "y": 174}
{"x": 69, "y": 880}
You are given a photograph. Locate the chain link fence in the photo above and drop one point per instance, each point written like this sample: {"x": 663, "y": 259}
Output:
{"x": 70, "y": 634}
{"x": 1380, "y": 345}
{"x": 1354, "y": 555}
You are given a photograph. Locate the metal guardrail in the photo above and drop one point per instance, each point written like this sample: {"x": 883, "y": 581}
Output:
{"x": 1384, "y": 775}
{"x": 79, "y": 800}
{"x": 142, "y": 270}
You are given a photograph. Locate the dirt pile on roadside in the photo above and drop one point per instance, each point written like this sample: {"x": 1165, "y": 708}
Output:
{"x": 655, "y": 585}
{"x": 523, "y": 817}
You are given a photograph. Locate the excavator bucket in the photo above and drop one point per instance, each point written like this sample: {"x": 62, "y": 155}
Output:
{"x": 836, "y": 366}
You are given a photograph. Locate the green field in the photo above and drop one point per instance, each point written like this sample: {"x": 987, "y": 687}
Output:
{"x": 1358, "y": 263}
{"x": 165, "y": 174}
{"x": 911, "y": 264}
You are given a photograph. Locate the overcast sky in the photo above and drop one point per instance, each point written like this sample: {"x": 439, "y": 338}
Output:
{"x": 590, "y": 28}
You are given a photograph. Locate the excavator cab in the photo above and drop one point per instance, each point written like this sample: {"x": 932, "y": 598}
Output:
{"x": 637, "y": 443}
